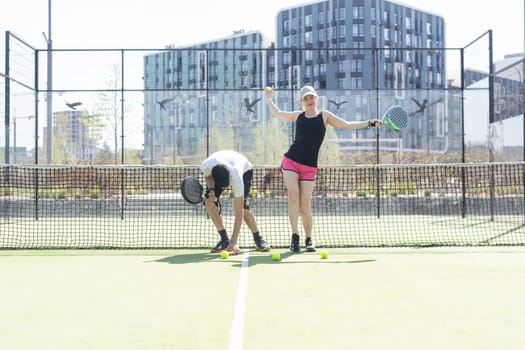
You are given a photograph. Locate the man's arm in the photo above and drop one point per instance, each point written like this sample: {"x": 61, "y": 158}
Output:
{"x": 238, "y": 207}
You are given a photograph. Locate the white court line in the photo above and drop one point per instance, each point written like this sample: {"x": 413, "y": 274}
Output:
{"x": 237, "y": 330}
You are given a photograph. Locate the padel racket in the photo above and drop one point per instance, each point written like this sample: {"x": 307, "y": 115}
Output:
{"x": 191, "y": 190}
{"x": 395, "y": 117}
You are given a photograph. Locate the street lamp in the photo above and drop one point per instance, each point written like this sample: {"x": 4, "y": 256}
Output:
{"x": 49, "y": 94}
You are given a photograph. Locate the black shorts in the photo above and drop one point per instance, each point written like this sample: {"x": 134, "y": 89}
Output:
{"x": 247, "y": 180}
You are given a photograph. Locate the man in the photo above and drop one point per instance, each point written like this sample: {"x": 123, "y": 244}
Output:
{"x": 218, "y": 169}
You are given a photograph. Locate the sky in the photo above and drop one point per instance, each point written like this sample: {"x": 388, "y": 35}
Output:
{"x": 158, "y": 23}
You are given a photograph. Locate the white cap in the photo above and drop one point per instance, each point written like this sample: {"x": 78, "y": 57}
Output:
{"x": 306, "y": 90}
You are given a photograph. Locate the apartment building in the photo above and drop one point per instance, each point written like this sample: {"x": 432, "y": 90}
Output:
{"x": 354, "y": 52}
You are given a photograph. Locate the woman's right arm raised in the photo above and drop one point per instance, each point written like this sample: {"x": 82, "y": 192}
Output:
{"x": 276, "y": 111}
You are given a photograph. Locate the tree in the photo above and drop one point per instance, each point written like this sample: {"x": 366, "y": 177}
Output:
{"x": 62, "y": 144}
{"x": 108, "y": 108}
{"x": 270, "y": 142}
{"x": 104, "y": 156}
{"x": 93, "y": 130}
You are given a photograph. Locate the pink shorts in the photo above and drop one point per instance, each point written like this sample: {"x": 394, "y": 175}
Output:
{"x": 305, "y": 172}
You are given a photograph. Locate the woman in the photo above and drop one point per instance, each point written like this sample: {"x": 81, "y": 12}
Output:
{"x": 299, "y": 164}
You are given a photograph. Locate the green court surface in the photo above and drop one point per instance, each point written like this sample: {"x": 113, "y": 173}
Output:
{"x": 373, "y": 298}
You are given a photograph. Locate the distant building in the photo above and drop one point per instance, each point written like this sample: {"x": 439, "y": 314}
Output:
{"x": 337, "y": 32}
{"x": 73, "y": 138}
{"x": 347, "y": 49}
{"x": 504, "y": 128}
{"x": 180, "y": 84}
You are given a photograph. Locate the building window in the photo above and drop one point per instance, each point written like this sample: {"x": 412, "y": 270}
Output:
{"x": 359, "y": 12}
{"x": 308, "y": 72}
{"x": 308, "y": 20}
{"x": 356, "y": 83}
{"x": 342, "y": 13}
{"x": 287, "y": 57}
{"x": 358, "y": 48}
{"x": 408, "y": 57}
{"x": 322, "y": 68}
{"x": 355, "y": 30}
{"x": 357, "y": 66}
{"x": 308, "y": 55}
{"x": 308, "y": 37}
{"x": 361, "y": 101}
{"x": 342, "y": 31}
{"x": 387, "y": 51}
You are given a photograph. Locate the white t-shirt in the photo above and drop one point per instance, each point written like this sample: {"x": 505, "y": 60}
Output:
{"x": 236, "y": 163}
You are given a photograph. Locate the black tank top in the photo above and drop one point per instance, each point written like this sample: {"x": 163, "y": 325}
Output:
{"x": 309, "y": 135}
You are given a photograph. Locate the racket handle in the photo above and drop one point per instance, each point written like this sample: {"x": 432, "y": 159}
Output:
{"x": 372, "y": 123}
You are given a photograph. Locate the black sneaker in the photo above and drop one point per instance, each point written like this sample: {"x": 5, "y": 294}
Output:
{"x": 294, "y": 246}
{"x": 221, "y": 246}
{"x": 309, "y": 246}
{"x": 260, "y": 244}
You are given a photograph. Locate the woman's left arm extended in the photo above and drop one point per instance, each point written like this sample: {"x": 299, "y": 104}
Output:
{"x": 337, "y": 122}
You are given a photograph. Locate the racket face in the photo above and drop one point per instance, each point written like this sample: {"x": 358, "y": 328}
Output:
{"x": 396, "y": 118}
{"x": 191, "y": 190}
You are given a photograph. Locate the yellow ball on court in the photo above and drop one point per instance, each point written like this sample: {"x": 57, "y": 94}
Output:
{"x": 276, "y": 256}
{"x": 324, "y": 254}
{"x": 225, "y": 255}
{"x": 268, "y": 88}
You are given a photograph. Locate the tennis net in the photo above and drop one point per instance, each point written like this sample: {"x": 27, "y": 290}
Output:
{"x": 106, "y": 207}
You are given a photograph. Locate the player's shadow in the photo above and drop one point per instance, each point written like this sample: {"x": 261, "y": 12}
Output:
{"x": 257, "y": 259}
{"x": 190, "y": 258}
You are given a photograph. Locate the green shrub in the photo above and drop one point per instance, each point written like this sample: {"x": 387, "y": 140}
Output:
{"x": 59, "y": 193}
{"x": 95, "y": 192}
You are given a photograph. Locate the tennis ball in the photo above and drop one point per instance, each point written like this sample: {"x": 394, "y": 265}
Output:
{"x": 324, "y": 254}
{"x": 268, "y": 88}
{"x": 225, "y": 255}
{"x": 276, "y": 256}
